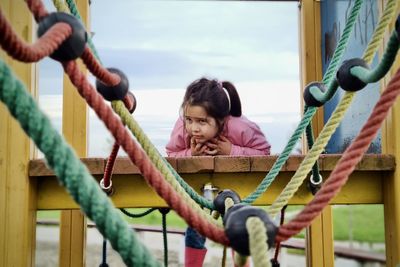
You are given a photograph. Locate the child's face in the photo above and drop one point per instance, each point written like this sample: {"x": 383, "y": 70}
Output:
{"x": 199, "y": 125}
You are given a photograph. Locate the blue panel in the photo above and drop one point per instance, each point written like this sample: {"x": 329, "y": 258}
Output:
{"x": 334, "y": 14}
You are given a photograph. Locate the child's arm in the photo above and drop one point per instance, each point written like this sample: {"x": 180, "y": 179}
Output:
{"x": 254, "y": 143}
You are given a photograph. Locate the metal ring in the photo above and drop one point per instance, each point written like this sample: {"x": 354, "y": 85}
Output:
{"x": 102, "y": 186}
{"x": 316, "y": 182}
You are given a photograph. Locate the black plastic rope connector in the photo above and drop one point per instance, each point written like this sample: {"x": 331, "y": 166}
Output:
{"x": 236, "y": 230}
{"x": 117, "y": 92}
{"x": 232, "y": 209}
{"x": 134, "y": 102}
{"x": 346, "y": 80}
{"x": 397, "y": 27}
{"x": 308, "y": 96}
{"x": 74, "y": 46}
{"x": 219, "y": 201}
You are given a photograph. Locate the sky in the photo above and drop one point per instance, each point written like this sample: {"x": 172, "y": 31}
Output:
{"x": 162, "y": 46}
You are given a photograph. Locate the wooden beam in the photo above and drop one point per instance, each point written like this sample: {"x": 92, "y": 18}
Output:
{"x": 320, "y": 233}
{"x": 17, "y": 191}
{"x": 391, "y": 186}
{"x": 75, "y": 118}
{"x": 131, "y": 190}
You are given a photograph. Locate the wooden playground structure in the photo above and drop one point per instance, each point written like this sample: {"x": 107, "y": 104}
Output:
{"x": 27, "y": 185}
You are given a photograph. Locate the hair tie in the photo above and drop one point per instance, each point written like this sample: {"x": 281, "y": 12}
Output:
{"x": 226, "y": 93}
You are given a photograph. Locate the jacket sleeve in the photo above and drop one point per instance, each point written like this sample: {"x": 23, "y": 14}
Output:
{"x": 176, "y": 146}
{"x": 254, "y": 143}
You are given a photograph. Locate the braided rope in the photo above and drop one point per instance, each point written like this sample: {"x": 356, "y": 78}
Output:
{"x": 43, "y": 47}
{"x": 60, "y": 6}
{"x": 157, "y": 160}
{"x": 258, "y": 239}
{"x": 305, "y": 167}
{"x": 165, "y": 168}
{"x": 310, "y": 112}
{"x": 71, "y": 172}
{"x": 135, "y": 153}
{"x": 346, "y": 164}
{"x": 151, "y": 174}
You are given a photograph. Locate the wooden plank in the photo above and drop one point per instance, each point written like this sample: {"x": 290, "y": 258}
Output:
{"x": 123, "y": 165}
{"x": 17, "y": 191}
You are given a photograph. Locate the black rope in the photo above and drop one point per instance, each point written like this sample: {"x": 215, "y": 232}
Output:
{"x": 104, "y": 260}
{"x": 138, "y": 215}
{"x": 164, "y": 212}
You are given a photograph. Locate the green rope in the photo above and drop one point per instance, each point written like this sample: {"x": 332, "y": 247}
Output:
{"x": 371, "y": 76}
{"x": 71, "y": 173}
{"x": 309, "y": 113}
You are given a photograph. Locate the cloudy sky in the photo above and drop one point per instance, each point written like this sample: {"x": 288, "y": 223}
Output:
{"x": 162, "y": 46}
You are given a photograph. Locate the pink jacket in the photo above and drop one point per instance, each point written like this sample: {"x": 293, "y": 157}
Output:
{"x": 246, "y": 137}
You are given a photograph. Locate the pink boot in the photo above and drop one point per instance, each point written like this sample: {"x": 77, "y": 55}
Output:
{"x": 194, "y": 257}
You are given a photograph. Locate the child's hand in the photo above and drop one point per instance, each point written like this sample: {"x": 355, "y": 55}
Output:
{"x": 197, "y": 149}
{"x": 219, "y": 146}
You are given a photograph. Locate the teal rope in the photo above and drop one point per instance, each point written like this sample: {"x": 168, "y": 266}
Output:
{"x": 371, "y": 76}
{"x": 74, "y": 11}
{"x": 70, "y": 171}
{"x": 310, "y": 111}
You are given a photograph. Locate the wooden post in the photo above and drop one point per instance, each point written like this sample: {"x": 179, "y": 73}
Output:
{"x": 75, "y": 116}
{"x": 319, "y": 237}
{"x": 391, "y": 187}
{"x": 17, "y": 191}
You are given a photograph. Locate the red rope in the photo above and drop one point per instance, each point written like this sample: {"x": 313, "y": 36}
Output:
{"x": 37, "y": 8}
{"x": 110, "y": 165}
{"x": 346, "y": 164}
{"x": 152, "y": 175}
{"x": 43, "y": 47}
{"x": 129, "y": 104}
{"x": 101, "y": 73}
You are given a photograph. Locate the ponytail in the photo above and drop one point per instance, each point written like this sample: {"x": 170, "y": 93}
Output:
{"x": 235, "y": 104}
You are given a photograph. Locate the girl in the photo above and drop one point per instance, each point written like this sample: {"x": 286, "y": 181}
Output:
{"x": 212, "y": 124}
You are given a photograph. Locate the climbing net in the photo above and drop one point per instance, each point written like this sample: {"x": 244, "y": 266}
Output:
{"x": 246, "y": 229}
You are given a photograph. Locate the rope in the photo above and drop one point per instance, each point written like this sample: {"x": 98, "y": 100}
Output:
{"x": 346, "y": 164}
{"x": 258, "y": 242}
{"x": 278, "y": 244}
{"x": 60, "y": 6}
{"x": 137, "y": 215}
{"x": 333, "y": 122}
{"x": 110, "y": 165}
{"x": 308, "y": 115}
{"x": 164, "y": 212}
{"x": 157, "y": 160}
{"x": 104, "y": 254}
{"x": 71, "y": 172}
{"x": 371, "y": 76}
{"x": 206, "y": 226}
{"x": 166, "y": 169}
{"x": 43, "y": 47}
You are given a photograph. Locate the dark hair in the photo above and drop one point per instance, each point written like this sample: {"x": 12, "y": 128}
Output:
{"x": 210, "y": 95}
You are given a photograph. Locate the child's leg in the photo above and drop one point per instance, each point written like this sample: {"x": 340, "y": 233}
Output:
{"x": 195, "y": 250}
